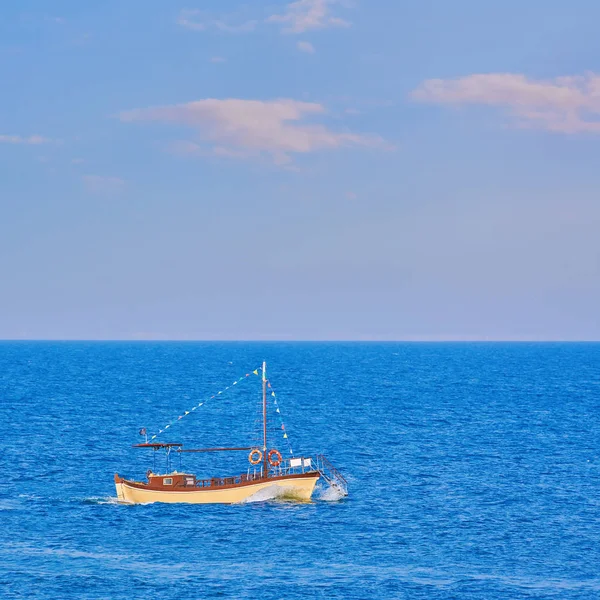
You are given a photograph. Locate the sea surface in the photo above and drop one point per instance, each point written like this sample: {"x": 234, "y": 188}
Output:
{"x": 473, "y": 469}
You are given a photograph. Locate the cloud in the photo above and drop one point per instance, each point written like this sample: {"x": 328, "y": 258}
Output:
{"x": 564, "y": 104}
{"x": 189, "y": 20}
{"x": 100, "y": 184}
{"x": 300, "y": 16}
{"x": 305, "y": 15}
{"x": 250, "y": 128}
{"x": 217, "y": 59}
{"x": 32, "y": 140}
{"x": 184, "y": 147}
{"x": 198, "y": 20}
{"x": 306, "y": 47}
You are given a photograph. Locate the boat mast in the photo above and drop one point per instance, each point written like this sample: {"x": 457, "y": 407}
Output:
{"x": 264, "y": 382}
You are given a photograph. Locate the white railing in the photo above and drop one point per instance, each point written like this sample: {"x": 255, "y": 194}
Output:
{"x": 288, "y": 466}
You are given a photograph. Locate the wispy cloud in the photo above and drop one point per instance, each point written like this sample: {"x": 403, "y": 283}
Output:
{"x": 249, "y": 128}
{"x": 32, "y": 140}
{"x": 306, "y": 47}
{"x": 100, "y": 184}
{"x": 563, "y": 104}
{"x": 217, "y": 59}
{"x": 299, "y": 16}
{"x": 198, "y": 20}
{"x": 306, "y": 15}
{"x": 190, "y": 19}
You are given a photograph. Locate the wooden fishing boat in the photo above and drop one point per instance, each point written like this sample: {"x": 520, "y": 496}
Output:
{"x": 269, "y": 475}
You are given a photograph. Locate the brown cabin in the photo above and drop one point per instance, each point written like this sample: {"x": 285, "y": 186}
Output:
{"x": 171, "y": 481}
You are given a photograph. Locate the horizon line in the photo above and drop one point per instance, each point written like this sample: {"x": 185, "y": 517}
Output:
{"x": 416, "y": 340}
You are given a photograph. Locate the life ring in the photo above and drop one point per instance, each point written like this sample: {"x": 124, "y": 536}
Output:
{"x": 255, "y": 456}
{"x": 274, "y": 453}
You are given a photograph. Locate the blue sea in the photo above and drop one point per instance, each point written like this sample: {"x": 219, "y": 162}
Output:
{"x": 473, "y": 470}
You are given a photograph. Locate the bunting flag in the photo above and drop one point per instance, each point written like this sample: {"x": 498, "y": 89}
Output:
{"x": 187, "y": 412}
{"x": 285, "y": 435}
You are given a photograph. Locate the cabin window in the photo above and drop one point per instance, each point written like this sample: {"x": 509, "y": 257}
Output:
{"x": 189, "y": 481}
{"x": 168, "y": 481}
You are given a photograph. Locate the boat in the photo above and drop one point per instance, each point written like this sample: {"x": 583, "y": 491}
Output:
{"x": 268, "y": 476}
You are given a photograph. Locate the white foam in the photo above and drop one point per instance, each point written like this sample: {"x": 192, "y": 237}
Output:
{"x": 9, "y": 504}
{"x": 273, "y": 492}
{"x": 103, "y": 500}
{"x": 331, "y": 493}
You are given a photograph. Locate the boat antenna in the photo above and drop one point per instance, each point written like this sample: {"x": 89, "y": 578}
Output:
{"x": 264, "y": 382}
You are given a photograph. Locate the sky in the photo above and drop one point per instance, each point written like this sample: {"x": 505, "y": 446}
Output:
{"x": 307, "y": 170}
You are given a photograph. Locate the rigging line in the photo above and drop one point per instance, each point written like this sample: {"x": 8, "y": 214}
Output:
{"x": 189, "y": 412}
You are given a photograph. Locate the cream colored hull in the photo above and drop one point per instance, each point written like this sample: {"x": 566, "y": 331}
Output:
{"x": 297, "y": 488}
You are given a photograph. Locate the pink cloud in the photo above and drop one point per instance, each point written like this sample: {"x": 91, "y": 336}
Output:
{"x": 562, "y": 104}
{"x": 304, "y": 15}
{"x": 306, "y": 47}
{"x": 101, "y": 184}
{"x": 197, "y": 20}
{"x": 32, "y": 140}
{"x": 246, "y": 128}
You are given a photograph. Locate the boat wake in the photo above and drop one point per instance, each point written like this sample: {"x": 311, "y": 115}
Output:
{"x": 273, "y": 492}
{"x": 331, "y": 493}
{"x": 100, "y": 500}
{"x": 9, "y": 505}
